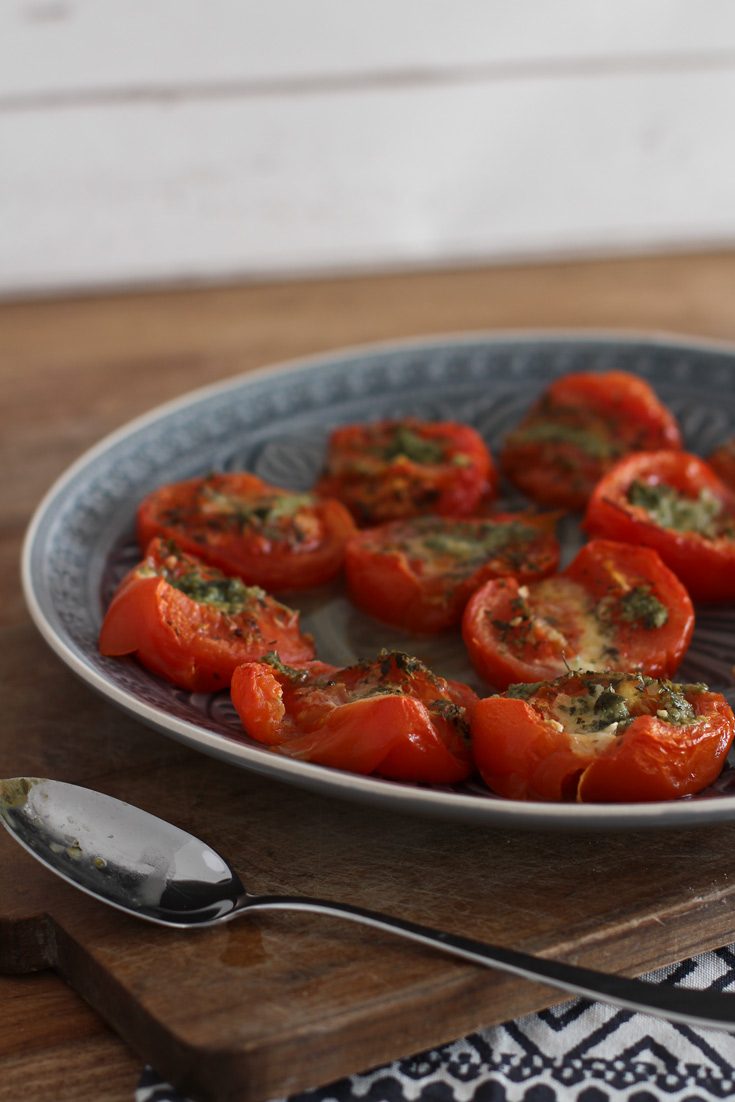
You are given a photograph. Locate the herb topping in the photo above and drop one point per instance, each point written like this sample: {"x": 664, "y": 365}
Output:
{"x": 670, "y": 509}
{"x": 640, "y": 606}
{"x": 405, "y": 442}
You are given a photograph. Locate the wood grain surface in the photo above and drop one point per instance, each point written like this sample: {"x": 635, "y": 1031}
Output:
{"x": 282, "y": 1002}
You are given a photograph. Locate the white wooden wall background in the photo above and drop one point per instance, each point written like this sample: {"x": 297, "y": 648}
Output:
{"x": 146, "y": 140}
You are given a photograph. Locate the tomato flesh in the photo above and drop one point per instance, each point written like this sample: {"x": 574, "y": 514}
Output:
{"x": 722, "y": 462}
{"x": 391, "y": 716}
{"x": 266, "y": 535}
{"x": 553, "y": 741}
{"x": 418, "y": 573}
{"x": 672, "y": 502}
{"x": 615, "y": 607}
{"x": 581, "y": 426}
{"x": 389, "y": 470}
{"x": 193, "y": 625}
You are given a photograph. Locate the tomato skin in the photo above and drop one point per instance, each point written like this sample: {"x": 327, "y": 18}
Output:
{"x": 602, "y": 567}
{"x": 522, "y": 754}
{"x": 392, "y": 576}
{"x": 722, "y": 462}
{"x": 497, "y": 602}
{"x": 654, "y": 764}
{"x": 324, "y": 716}
{"x": 578, "y": 429}
{"x": 706, "y": 566}
{"x": 189, "y": 642}
{"x": 378, "y": 482}
{"x": 297, "y": 552}
{"x": 560, "y": 615}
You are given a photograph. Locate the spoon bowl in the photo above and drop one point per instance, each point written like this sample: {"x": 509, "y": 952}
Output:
{"x": 144, "y": 866}
{"x": 120, "y": 854}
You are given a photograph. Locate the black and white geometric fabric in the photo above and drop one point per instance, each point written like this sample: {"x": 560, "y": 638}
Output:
{"x": 578, "y": 1051}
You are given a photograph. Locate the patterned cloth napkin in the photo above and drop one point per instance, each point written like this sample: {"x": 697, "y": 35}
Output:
{"x": 579, "y": 1051}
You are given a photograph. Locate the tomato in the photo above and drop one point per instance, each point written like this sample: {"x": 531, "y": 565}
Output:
{"x": 602, "y": 738}
{"x": 578, "y": 429}
{"x": 615, "y": 607}
{"x": 193, "y": 625}
{"x": 266, "y": 535}
{"x": 722, "y": 462}
{"x": 394, "y": 469}
{"x": 675, "y": 503}
{"x": 389, "y": 715}
{"x": 418, "y": 573}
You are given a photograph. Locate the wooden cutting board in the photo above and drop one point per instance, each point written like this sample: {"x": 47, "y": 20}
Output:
{"x": 276, "y": 1003}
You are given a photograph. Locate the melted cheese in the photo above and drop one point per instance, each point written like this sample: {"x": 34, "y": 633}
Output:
{"x": 594, "y": 639}
{"x": 593, "y": 647}
{"x": 574, "y": 715}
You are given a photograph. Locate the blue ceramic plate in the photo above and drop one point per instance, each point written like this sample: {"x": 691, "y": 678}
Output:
{"x": 275, "y": 423}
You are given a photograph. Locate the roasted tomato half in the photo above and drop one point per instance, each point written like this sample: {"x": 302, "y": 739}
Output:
{"x": 615, "y": 607}
{"x": 578, "y": 429}
{"x": 267, "y": 536}
{"x": 602, "y": 738}
{"x": 675, "y": 503}
{"x": 722, "y": 462}
{"x": 418, "y": 573}
{"x": 390, "y": 716}
{"x": 393, "y": 469}
{"x": 192, "y": 624}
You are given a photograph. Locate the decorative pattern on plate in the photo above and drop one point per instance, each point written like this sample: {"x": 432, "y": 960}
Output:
{"x": 82, "y": 539}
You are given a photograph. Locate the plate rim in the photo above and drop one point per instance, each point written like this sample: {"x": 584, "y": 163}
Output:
{"x": 396, "y": 796}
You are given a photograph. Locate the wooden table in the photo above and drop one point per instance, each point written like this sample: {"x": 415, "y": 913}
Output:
{"x": 72, "y": 370}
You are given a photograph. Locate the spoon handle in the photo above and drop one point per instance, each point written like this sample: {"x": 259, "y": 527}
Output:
{"x": 711, "y": 1009}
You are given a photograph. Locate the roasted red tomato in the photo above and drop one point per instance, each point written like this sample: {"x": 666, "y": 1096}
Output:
{"x": 615, "y": 607}
{"x": 390, "y": 716}
{"x": 578, "y": 429}
{"x": 263, "y": 534}
{"x": 418, "y": 573}
{"x": 675, "y": 503}
{"x": 193, "y": 625}
{"x": 602, "y": 738}
{"x": 393, "y": 469}
{"x": 722, "y": 462}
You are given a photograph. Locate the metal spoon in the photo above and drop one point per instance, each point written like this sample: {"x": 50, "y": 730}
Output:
{"x": 151, "y": 869}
